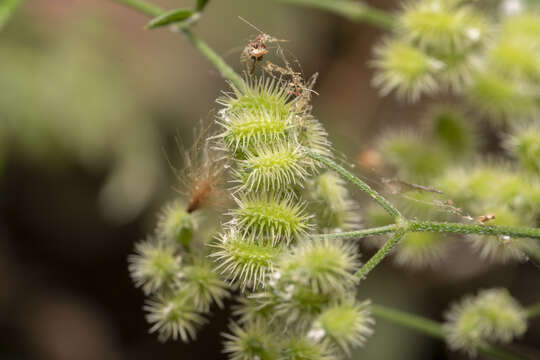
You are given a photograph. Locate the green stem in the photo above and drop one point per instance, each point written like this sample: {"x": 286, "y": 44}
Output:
{"x": 434, "y": 329}
{"x": 380, "y": 254}
{"x": 360, "y": 234}
{"x": 225, "y": 70}
{"x": 426, "y": 326}
{"x": 533, "y": 310}
{"x": 390, "y": 209}
{"x": 355, "y": 11}
{"x": 433, "y": 226}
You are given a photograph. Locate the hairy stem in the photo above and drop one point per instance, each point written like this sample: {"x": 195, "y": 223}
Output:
{"x": 380, "y": 254}
{"x": 360, "y": 234}
{"x": 533, "y": 310}
{"x": 352, "y": 10}
{"x": 434, "y": 329}
{"x": 331, "y": 164}
{"x": 433, "y": 226}
{"x": 225, "y": 70}
{"x": 444, "y": 227}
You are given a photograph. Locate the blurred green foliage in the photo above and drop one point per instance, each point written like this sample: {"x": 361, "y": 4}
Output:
{"x": 64, "y": 102}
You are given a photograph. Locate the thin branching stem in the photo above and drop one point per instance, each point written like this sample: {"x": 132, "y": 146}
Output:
{"x": 225, "y": 70}
{"x": 217, "y": 61}
{"x": 403, "y": 226}
{"x": 443, "y": 227}
{"x": 331, "y": 164}
{"x": 360, "y": 234}
{"x": 352, "y": 10}
{"x": 446, "y": 227}
{"x": 435, "y": 329}
{"x": 385, "y": 250}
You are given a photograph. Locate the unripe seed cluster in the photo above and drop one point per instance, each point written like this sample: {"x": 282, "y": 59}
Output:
{"x": 173, "y": 270}
{"x": 265, "y": 249}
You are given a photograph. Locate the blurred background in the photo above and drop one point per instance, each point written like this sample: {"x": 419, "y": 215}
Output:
{"x": 92, "y": 108}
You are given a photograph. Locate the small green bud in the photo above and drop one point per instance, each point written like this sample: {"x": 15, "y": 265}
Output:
{"x": 175, "y": 224}
{"x": 203, "y": 284}
{"x": 254, "y": 340}
{"x": 154, "y": 265}
{"x": 442, "y": 26}
{"x": 311, "y": 134}
{"x": 406, "y": 69}
{"x": 301, "y": 348}
{"x": 324, "y": 265}
{"x": 332, "y": 203}
{"x": 174, "y": 315}
{"x": 348, "y": 324}
{"x": 491, "y": 316}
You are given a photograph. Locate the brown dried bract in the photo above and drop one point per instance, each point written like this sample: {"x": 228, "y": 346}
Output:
{"x": 201, "y": 177}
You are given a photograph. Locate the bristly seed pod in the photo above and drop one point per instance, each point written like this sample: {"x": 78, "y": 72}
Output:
{"x": 311, "y": 134}
{"x": 331, "y": 200}
{"x": 176, "y": 224}
{"x": 442, "y": 26}
{"x": 281, "y": 219}
{"x": 246, "y": 261}
{"x": 323, "y": 265}
{"x": 253, "y": 340}
{"x": 274, "y": 168}
{"x": 262, "y": 95}
{"x": 203, "y": 284}
{"x": 348, "y": 324}
{"x": 491, "y": 316}
{"x": 154, "y": 265}
{"x": 245, "y": 131}
{"x": 303, "y": 348}
{"x": 406, "y": 69}
{"x": 174, "y": 315}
